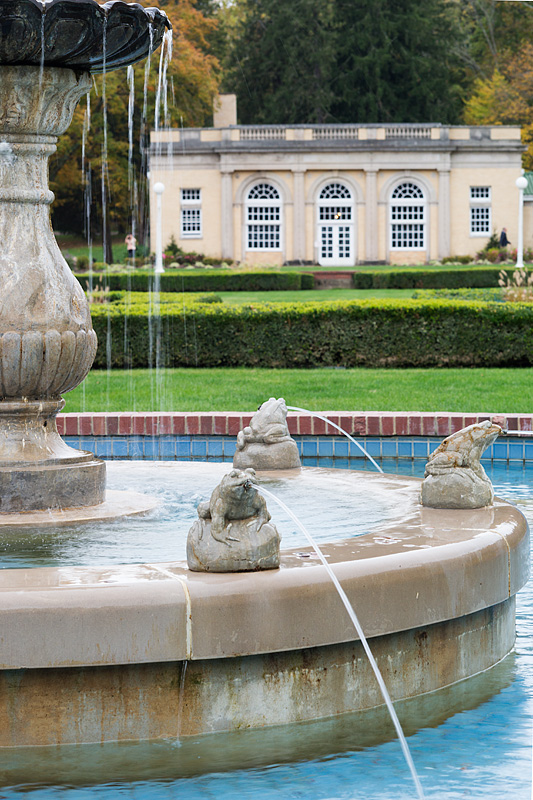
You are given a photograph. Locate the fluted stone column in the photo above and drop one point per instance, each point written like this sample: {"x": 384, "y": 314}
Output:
{"x": 47, "y": 343}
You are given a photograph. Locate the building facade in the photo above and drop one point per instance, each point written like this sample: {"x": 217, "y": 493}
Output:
{"x": 336, "y": 195}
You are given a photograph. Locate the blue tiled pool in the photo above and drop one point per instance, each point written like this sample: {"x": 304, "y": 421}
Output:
{"x": 222, "y": 448}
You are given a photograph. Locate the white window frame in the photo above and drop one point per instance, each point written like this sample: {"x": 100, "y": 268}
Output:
{"x": 403, "y": 224}
{"x": 186, "y": 199}
{"x": 191, "y": 201}
{"x": 343, "y": 205}
{"x": 480, "y": 198}
{"x": 269, "y": 206}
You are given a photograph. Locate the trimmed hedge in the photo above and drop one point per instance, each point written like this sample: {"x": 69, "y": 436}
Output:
{"x": 488, "y": 295}
{"x": 227, "y": 280}
{"x": 392, "y": 333}
{"x": 200, "y": 281}
{"x": 475, "y": 277}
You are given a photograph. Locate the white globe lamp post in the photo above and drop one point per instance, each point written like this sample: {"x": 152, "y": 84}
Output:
{"x": 521, "y": 184}
{"x": 159, "y": 188}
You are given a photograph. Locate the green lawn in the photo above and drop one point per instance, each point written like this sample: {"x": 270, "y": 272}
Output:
{"x": 456, "y": 390}
{"x": 72, "y": 246}
{"x": 311, "y": 295}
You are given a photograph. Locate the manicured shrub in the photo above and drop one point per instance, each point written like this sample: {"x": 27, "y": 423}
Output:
{"x": 488, "y": 295}
{"x": 208, "y": 280}
{"x": 389, "y": 333}
{"x": 458, "y": 260}
{"x": 475, "y": 277}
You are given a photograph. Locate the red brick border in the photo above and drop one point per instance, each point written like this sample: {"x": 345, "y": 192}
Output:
{"x": 359, "y": 423}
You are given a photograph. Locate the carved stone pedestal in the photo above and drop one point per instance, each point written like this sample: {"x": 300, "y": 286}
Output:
{"x": 37, "y": 469}
{"x": 47, "y": 343}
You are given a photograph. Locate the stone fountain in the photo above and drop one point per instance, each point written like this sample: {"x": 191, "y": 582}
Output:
{"x": 95, "y": 654}
{"x": 47, "y": 344}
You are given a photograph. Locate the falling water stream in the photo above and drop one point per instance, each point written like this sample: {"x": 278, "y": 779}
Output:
{"x": 162, "y": 83}
{"x": 43, "y": 44}
{"x": 131, "y": 108}
{"x": 357, "y": 625}
{"x": 337, "y": 427}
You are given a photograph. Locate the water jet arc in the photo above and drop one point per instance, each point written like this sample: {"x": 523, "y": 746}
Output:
{"x": 337, "y": 427}
{"x": 357, "y": 625}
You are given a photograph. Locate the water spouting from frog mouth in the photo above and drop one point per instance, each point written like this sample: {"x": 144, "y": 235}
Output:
{"x": 338, "y": 428}
{"x": 357, "y": 625}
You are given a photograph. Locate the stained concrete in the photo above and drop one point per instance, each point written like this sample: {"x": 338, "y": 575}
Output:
{"x": 147, "y": 701}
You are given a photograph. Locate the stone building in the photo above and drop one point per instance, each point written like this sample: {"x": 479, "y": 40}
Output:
{"x": 335, "y": 195}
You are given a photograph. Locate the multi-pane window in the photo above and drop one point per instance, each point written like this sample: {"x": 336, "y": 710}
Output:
{"x": 263, "y": 218}
{"x": 335, "y": 228}
{"x": 480, "y": 211}
{"x": 335, "y": 203}
{"x": 408, "y": 217}
{"x": 480, "y": 192}
{"x": 191, "y": 214}
{"x": 335, "y": 212}
{"x": 335, "y": 191}
{"x": 344, "y": 242}
{"x": 191, "y": 222}
{"x": 190, "y": 196}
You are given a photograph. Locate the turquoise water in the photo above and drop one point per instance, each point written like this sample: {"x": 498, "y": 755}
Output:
{"x": 338, "y": 508}
{"x": 470, "y": 741}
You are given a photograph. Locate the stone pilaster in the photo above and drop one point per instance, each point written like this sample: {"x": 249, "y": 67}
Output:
{"x": 371, "y": 216}
{"x": 444, "y": 214}
{"x": 299, "y": 215}
{"x": 227, "y": 215}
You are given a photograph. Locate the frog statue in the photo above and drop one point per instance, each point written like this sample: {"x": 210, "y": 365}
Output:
{"x": 454, "y": 477}
{"x": 266, "y": 443}
{"x": 233, "y": 532}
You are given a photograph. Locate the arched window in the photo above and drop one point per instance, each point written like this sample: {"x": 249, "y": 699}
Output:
{"x": 408, "y": 217}
{"x": 335, "y": 225}
{"x": 334, "y": 191}
{"x": 263, "y": 218}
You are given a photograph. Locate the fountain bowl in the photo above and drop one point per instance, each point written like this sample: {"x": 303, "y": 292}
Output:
{"x": 149, "y": 650}
{"x": 80, "y": 34}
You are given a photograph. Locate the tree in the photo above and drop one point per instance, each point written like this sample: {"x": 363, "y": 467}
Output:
{"x": 347, "y": 61}
{"x": 193, "y": 79}
{"x": 492, "y": 31}
{"x": 281, "y": 61}
{"x": 395, "y": 61}
{"x": 489, "y": 100}
{"x": 506, "y": 98}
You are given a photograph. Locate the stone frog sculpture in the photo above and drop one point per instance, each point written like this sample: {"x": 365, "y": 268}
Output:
{"x": 454, "y": 477}
{"x": 266, "y": 443}
{"x": 233, "y": 532}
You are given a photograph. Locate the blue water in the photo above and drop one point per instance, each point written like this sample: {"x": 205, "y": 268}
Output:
{"x": 469, "y": 741}
{"x": 338, "y": 508}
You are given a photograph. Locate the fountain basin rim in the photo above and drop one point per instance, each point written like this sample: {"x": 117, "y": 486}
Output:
{"x": 150, "y": 613}
{"x": 117, "y": 504}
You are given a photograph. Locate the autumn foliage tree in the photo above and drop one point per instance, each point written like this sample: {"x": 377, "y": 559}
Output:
{"x": 92, "y": 171}
{"x": 506, "y": 98}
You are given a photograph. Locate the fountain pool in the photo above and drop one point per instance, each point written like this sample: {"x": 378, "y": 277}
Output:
{"x": 470, "y": 739}
{"x": 122, "y": 672}
{"x": 325, "y": 496}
